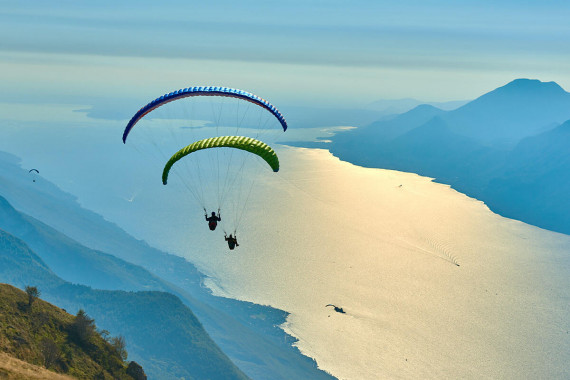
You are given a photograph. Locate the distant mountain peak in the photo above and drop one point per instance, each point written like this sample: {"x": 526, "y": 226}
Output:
{"x": 424, "y": 112}
{"x": 534, "y": 85}
{"x": 424, "y": 107}
{"x": 521, "y": 108}
{"x": 514, "y": 94}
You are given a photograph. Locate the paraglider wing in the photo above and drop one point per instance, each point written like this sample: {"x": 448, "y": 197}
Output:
{"x": 238, "y": 142}
{"x": 34, "y": 170}
{"x": 203, "y": 91}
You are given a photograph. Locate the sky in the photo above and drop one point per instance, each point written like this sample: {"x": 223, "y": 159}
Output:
{"x": 322, "y": 53}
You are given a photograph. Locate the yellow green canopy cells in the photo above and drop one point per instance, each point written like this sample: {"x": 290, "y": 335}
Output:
{"x": 238, "y": 142}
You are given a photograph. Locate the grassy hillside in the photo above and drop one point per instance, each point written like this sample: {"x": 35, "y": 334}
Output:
{"x": 12, "y": 368}
{"x": 45, "y": 335}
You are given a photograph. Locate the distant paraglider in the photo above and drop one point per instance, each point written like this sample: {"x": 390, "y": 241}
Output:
{"x": 337, "y": 309}
{"x": 34, "y": 175}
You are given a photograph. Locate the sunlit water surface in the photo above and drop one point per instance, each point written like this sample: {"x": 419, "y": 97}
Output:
{"x": 433, "y": 284}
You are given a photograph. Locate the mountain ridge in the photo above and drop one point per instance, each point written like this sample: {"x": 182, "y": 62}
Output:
{"x": 482, "y": 167}
{"x": 521, "y": 108}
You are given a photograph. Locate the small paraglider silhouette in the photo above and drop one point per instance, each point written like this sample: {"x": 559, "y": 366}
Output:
{"x": 34, "y": 170}
{"x": 337, "y": 309}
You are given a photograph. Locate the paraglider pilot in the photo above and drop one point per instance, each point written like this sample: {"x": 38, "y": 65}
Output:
{"x": 213, "y": 220}
{"x": 232, "y": 241}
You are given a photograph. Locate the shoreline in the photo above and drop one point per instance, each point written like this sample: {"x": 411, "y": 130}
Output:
{"x": 461, "y": 186}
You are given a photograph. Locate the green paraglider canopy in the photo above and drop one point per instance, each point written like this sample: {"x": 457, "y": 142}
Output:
{"x": 238, "y": 142}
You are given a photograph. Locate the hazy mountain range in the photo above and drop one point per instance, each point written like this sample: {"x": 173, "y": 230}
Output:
{"x": 508, "y": 148}
{"x": 398, "y": 106}
{"x": 79, "y": 260}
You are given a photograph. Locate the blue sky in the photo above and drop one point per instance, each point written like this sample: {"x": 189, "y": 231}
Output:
{"x": 294, "y": 52}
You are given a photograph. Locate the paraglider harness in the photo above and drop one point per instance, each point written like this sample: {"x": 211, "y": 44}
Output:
{"x": 232, "y": 241}
{"x": 213, "y": 220}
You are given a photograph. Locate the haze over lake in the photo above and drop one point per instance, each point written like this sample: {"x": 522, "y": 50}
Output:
{"x": 383, "y": 245}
